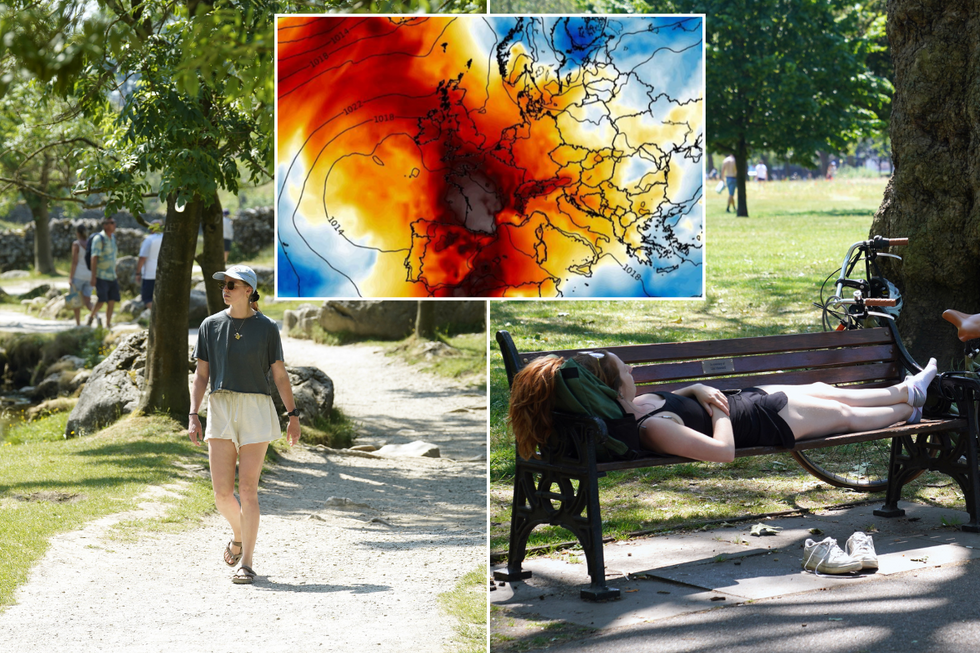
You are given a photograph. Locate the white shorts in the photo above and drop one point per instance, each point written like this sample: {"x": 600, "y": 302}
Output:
{"x": 244, "y": 418}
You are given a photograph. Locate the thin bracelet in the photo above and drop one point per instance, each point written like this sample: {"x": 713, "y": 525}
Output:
{"x": 189, "y": 414}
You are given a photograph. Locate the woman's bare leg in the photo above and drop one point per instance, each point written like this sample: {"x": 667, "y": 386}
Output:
{"x": 251, "y": 457}
{"x": 863, "y": 397}
{"x": 223, "y": 457}
{"x": 857, "y": 397}
{"x": 811, "y": 417}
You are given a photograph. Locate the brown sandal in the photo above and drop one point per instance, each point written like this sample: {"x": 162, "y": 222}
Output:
{"x": 244, "y": 576}
{"x": 231, "y": 559}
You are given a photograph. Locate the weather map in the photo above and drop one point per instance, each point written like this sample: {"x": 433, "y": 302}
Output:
{"x": 486, "y": 156}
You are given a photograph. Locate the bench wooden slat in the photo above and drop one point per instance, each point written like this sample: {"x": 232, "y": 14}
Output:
{"x": 731, "y": 365}
{"x": 735, "y": 347}
{"x": 899, "y": 430}
{"x": 882, "y": 374}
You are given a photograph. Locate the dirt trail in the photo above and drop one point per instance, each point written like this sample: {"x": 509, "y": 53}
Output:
{"x": 361, "y": 576}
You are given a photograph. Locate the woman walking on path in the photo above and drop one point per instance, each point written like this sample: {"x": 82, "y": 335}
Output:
{"x": 81, "y": 276}
{"x": 703, "y": 423}
{"x": 235, "y": 350}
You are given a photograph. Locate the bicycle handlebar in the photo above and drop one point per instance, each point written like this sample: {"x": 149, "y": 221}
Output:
{"x": 881, "y": 302}
{"x": 879, "y": 242}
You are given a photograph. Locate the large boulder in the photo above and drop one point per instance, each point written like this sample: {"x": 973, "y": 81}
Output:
{"x": 300, "y": 320}
{"x": 113, "y": 388}
{"x": 198, "y": 308}
{"x": 312, "y": 392}
{"x": 396, "y": 319}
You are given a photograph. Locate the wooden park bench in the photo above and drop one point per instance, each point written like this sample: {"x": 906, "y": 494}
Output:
{"x": 561, "y": 488}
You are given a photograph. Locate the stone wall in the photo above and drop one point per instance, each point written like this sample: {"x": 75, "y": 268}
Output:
{"x": 254, "y": 229}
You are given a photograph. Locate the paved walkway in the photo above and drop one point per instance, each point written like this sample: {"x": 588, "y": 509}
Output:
{"x": 726, "y": 590}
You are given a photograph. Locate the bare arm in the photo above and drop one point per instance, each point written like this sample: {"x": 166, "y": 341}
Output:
{"x": 706, "y": 396}
{"x": 197, "y": 394}
{"x": 139, "y": 266}
{"x": 95, "y": 265}
{"x": 281, "y": 379}
{"x": 666, "y": 436}
{"x": 74, "y": 261}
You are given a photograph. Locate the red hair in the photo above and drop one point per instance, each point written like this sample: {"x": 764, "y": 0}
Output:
{"x": 532, "y": 397}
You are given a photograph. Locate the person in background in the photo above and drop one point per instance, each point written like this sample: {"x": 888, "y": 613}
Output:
{"x": 761, "y": 171}
{"x": 103, "y": 264}
{"x": 730, "y": 175}
{"x": 228, "y": 228}
{"x": 146, "y": 266}
{"x": 81, "y": 276}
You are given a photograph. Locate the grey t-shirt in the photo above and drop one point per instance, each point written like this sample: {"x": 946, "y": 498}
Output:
{"x": 239, "y": 364}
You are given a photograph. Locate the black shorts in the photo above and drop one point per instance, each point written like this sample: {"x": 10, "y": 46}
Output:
{"x": 227, "y": 244}
{"x": 755, "y": 419}
{"x": 106, "y": 290}
{"x": 146, "y": 290}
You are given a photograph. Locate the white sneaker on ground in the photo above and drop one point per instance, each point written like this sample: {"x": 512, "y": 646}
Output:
{"x": 860, "y": 547}
{"x": 826, "y": 557}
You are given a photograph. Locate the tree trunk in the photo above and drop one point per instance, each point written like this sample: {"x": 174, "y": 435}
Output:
{"x": 43, "y": 261}
{"x": 425, "y": 320}
{"x": 167, "y": 354}
{"x": 932, "y": 196}
{"x": 742, "y": 173}
{"x": 824, "y": 163}
{"x": 212, "y": 257}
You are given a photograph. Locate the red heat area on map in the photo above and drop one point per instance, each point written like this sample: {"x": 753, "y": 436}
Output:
{"x": 398, "y": 91}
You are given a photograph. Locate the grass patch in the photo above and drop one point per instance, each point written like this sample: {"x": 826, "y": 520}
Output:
{"x": 50, "y": 485}
{"x": 462, "y": 356}
{"x": 763, "y": 275}
{"x": 336, "y": 431}
{"x": 467, "y": 604}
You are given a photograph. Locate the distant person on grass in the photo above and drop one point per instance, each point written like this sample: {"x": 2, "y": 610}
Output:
{"x": 103, "y": 264}
{"x": 81, "y": 276}
{"x": 761, "y": 171}
{"x": 730, "y": 174}
{"x": 146, "y": 265}
{"x": 235, "y": 350}
{"x": 703, "y": 423}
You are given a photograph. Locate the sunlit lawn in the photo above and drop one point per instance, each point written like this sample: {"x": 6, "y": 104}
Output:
{"x": 763, "y": 275}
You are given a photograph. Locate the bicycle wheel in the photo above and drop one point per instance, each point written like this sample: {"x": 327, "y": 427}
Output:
{"x": 862, "y": 466}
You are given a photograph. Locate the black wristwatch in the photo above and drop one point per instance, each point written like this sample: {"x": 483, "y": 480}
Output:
{"x": 293, "y": 413}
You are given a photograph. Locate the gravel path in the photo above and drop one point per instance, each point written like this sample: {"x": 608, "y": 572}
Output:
{"x": 360, "y": 572}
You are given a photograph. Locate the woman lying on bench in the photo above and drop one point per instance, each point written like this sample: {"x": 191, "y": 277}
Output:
{"x": 703, "y": 423}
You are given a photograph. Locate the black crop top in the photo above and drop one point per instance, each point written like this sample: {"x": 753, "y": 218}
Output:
{"x": 691, "y": 412}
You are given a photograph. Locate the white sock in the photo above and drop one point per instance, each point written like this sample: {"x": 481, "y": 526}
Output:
{"x": 918, "y": 384}
{"x": 916, "y": 416}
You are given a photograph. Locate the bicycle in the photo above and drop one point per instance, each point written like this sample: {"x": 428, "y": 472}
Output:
{"x": 874, "y": 302}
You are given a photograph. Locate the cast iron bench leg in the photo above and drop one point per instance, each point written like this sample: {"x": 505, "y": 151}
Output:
{"x": 894, "y": 491}
{"x": 591, "y": 538}
{"x": 520, "y": 529}
{"x": 972, "y": 492}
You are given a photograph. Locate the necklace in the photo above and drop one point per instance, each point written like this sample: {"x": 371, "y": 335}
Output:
{"x": 238, "y": 336}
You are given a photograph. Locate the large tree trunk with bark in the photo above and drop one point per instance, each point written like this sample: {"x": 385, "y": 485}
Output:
{"x": 167, "y": 354}
{"x": 933, "y": 195}
{"x": 425, "y": 320}
{"x": 212, "y": 257}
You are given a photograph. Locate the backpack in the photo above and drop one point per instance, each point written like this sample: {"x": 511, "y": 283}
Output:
{"x": 88, "y": 251}
{"x": 579, "y": 391}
